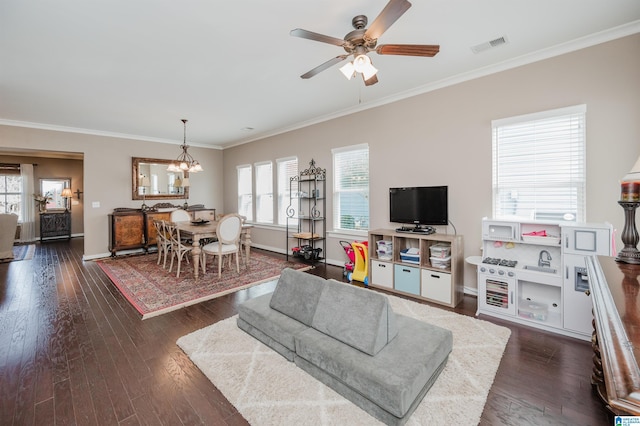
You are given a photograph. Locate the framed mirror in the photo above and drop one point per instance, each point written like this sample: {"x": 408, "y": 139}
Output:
{"x": 152, "y": 181}
{"x": 51, "y": 193}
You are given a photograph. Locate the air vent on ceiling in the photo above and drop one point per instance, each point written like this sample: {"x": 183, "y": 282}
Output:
{"x": 489, "y": 44}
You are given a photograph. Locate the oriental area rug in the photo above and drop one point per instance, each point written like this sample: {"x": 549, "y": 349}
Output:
{"x": 269, "y": 390}
{"x": 153, "y": 290}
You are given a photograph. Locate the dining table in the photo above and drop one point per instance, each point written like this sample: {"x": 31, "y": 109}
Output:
{"x": 199, "y": 230}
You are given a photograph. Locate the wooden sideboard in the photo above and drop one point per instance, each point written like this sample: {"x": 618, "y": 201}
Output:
{"x": 55, "y": 225}
{"x": 616, "y": 336}
{"x": 131, "y": 229}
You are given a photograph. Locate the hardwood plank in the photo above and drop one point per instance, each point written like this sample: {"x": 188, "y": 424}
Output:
{"x": 73, "y": 349}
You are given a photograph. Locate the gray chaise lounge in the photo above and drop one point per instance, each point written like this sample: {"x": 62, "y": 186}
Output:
{"x": 350, "y": 339}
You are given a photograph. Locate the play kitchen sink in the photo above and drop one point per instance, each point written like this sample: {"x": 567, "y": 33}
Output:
{"x": 540, "y": 269}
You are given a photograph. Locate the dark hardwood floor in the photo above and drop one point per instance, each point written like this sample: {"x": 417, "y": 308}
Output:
{"x": 73, "y": 351}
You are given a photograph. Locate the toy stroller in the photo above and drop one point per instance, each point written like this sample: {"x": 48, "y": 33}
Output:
{"x": 348, "y": 266}
{"x": 358, "y": 266}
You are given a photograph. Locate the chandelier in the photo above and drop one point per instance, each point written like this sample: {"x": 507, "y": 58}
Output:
{"x": 185, "y": 162}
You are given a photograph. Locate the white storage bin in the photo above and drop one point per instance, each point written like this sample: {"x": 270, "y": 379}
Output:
{"x": 440, "y": 250}
{"x": 384, "y": 254}
{"x": 533, "y": 310}
{"x": 386, "y": 243}
{"x": 441, "y": 262}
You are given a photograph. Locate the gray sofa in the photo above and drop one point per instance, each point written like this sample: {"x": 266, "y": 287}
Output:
{"x": 350, "y": 339}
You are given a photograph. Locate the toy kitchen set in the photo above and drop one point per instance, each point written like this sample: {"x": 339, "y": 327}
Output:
{"x": 534, "y": 273}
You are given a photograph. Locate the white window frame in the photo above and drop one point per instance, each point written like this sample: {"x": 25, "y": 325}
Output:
{"x": 6, "y": 206}
{"x": 539, "y": 166}
{"x": 345, "y": 162}
{"x": 287, "y": 168}
{"x": 264, "y": 191}
{"x": 245, "y": 191}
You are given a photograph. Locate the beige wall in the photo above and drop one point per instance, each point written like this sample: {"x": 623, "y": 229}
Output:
{"x": 438, "y": 138}
{"x": 444, "y": 138}
{"x": 55, "y": 168}
{"x": 107, "y": 173}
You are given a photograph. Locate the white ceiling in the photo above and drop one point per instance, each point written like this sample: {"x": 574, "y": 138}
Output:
{"x": 136, "y": 68}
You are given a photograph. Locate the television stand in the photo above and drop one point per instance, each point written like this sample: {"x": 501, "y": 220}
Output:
{"x": 434, "y": 274}
{"x": 424, "y": 230}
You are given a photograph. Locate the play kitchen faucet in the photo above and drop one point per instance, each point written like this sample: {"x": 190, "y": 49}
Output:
{"x": 544, "y": 263}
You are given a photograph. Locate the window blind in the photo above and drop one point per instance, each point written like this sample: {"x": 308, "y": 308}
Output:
{"x": 264, "y": 192}
{"x": 245, "y": 192}
{"x": 539, "y": 166}
{"x": 286, "y": 169}
{"x": 351, "y": 187}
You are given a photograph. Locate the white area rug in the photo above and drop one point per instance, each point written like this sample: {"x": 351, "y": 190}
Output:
{"x": 269, "y": 390}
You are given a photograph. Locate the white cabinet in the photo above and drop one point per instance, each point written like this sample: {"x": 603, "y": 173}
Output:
{"x": 382, "y": 273}
{"x": 436, "y": 286}
{"x": 577, "y": 301}
{"x": 578, "y": 242}
{"x": 426, "y": 267}
{"x": 544, "y": 283}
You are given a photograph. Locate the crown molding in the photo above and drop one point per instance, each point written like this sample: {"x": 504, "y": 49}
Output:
{"x": 56, "y": 128}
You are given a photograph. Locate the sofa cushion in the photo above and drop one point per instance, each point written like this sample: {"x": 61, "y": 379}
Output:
{"x": 277, "y": 326}
{"x": 296, "y": 295}
{"x": 392, "y": 379}
{"x": 356, "y": 316}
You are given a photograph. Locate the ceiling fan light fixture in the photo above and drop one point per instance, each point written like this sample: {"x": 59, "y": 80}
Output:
{"x": 348, "y": 70}
{"x": 361, "y": 62}
{"x": 369, "y": 71}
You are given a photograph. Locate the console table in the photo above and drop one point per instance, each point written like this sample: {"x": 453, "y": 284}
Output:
{"x": 55, "y": 225}
{"x": 616, "y": 336}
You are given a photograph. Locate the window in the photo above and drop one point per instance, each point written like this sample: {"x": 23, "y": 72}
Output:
{"x": 10, "y": 189}
{"x": 351, "y": 188}
{"x": 264, "y": 192}
{"x": 539, "y": 166}
{"x": 245, "y": 192}
{"x": 287, "y": 168}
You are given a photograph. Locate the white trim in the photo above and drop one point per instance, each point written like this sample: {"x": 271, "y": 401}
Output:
{"x": 56, "y": 128}
{"x": 576, "y": 109}
{"x": 349, "y": 148}
{"x": 282, "y": 160}
{"x": 348, "y": 234}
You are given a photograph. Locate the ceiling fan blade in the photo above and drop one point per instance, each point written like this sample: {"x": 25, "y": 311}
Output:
{"x": 408, "y": 49}
{"x": 372, "y": 80}
{"x": 309, "y": 35}
{"x": 390, "y": 14}
{"x": 317, "y": 70}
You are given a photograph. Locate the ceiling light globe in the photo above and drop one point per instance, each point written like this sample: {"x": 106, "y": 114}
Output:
{"x": 361, "y": 62}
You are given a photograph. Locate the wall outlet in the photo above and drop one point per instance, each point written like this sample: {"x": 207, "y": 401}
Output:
{"x": 95, "y": 204}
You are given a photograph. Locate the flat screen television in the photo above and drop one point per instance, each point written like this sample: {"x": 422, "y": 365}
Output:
{"x": 419, "y": 205}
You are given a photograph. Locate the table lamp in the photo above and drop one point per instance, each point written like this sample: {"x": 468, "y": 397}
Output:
{"x": 185, "y": 184}
{"x": 66, "y": 194}
{"x": 144, "y": 182}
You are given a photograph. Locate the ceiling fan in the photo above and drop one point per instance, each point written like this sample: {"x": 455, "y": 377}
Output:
{"x": 363, "y": 40}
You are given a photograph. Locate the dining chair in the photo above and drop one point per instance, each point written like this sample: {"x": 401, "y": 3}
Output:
{"x": 178, "y": 247}
{"x": 228, "y": 232}
{"x": 163, "y": 240}
{"x": 180, "y": 215}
